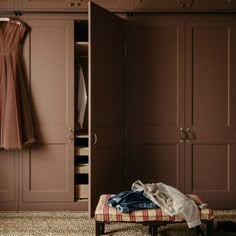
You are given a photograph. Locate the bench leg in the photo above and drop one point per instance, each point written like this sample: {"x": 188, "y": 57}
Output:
{"x": 100, "y": 228}
{"x": 209, "y": 225}
{"x": 153, "y": 230}
{"x": 199, "y": 231}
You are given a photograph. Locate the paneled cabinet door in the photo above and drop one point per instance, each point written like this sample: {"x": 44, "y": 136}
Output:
{"x": 210, "y": 111}
{"x": 158, "y": 90}
{"x": 211, "y": 5}
{"x": 114, "y": 5}
{"x": 9, "y": 180}
{"x": 200, "y": 158}
{"x": 107, "y": 94}
{"x": 8, "y": 5}
{"x": 183, "y": 5}
{"x": 48, "y": 167}
{"x": 71, "y": 5}
{"x": 158, "y": 5}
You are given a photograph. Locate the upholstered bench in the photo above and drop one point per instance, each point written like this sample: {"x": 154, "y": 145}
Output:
{"x": 154, "y": 218}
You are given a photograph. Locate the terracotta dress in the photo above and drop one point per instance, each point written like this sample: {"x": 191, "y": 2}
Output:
{"x": 15, "y": 116}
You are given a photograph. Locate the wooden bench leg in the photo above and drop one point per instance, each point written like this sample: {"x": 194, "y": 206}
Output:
{"x": 153, "y": 230}
{"x": 209, "y": 225}
{"x": 199, "y": 231}
{"x": 100, "y": 228}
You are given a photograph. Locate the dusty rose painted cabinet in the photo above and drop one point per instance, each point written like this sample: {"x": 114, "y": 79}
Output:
{"x": 161, "y": 107}
{"x": 184, "y": 106}
{"x": 46, "y": 173}
{"x": 158, "y": 106}
{"x": 8, "y": 5}
{"x": 9, "y": 179}
{"x": 182, "y": 5}
{"x": 210, "y": 154}
{"x": 71, "y": 5}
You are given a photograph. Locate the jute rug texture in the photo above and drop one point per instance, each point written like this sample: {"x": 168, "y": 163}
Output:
{"x": 65, "y": 223}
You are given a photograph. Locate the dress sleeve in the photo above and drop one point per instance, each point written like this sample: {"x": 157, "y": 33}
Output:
{"x": 23, "y": 31}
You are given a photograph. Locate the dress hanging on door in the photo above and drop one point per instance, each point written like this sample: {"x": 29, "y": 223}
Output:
{"x": 15, "y": 115}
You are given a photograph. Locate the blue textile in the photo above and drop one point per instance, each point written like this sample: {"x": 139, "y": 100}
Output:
{"x": 128, "y": 201}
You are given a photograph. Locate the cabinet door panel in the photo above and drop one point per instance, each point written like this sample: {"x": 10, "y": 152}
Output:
{"x": 149, "y": 5}
{"x": 47, "y": 174}
{"x": 232, "y": 4}
{"x": 158, "y": 102}
{"x": 107, "y": 90}
{"x": 48, "y": 168}
{"x": 8, "y": 5}
{"x": 8, "y": 180}
{"x": 113, "y": 5}
{"x": 183, "y": 5}
{"x": 213, "y": 5}
{"x": 52, "y": 5}
{"x": 211, "y": 114}
{"x": 71, "y": 5}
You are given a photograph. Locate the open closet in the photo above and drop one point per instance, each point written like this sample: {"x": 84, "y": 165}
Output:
{"x": 158, "y": 94}
{"x": 65, "y": 168}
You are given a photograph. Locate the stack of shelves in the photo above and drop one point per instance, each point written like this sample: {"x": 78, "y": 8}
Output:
{"x": 81, "y": 166}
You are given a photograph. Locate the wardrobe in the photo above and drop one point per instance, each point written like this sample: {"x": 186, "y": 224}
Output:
{"x": 183, "y": 6}
{"x": 47, "y": 175}
{"x": 160, "y": 103}
{"x": 61, "y": 5}
{"x": 183, "y": 125}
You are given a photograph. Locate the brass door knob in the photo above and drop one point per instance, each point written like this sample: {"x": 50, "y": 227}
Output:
{"x": 183, "y": 135}
{"x": 190, "y": 134}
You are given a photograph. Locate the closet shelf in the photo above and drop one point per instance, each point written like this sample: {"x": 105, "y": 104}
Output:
{"x": 82, "y": 169}
{"x": 81, "y": 151}
{"x": 81, "y": 135}
{"x": 81, "y": 191}
{"x": 81, "y": 46}
{"x": 81, "y": 43}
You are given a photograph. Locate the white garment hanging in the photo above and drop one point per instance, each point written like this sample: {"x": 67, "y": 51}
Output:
{"x": 82, "y": 98}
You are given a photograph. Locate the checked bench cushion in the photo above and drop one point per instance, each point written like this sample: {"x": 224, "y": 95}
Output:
{"x": 105, "y": 213}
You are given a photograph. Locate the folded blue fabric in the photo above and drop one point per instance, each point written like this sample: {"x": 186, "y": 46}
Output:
{"x": 128, "y": 201}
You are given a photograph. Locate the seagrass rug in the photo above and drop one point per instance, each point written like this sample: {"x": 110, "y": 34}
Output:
{"x": 67, "y": 223}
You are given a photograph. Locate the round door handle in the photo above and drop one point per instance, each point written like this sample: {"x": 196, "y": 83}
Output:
{"x": 95, "y": 138}
{"x": 190, "y": 134}
{"x": 71, "y": 135}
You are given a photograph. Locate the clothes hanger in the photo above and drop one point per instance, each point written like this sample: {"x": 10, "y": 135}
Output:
{"x": 10, "y": 20}
{"x": 3, "y": 18}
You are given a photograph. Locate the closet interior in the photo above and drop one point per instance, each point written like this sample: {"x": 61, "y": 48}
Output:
{"x": 81, "y": 111}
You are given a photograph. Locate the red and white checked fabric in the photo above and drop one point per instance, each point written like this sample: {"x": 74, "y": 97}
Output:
{"x": 105, "y": 213}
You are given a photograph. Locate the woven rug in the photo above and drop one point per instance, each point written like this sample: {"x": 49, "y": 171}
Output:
{"x": 65, "y": 223}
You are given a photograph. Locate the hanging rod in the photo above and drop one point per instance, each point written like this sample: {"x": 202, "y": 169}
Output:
{"x": 16, "y": 13}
